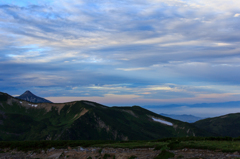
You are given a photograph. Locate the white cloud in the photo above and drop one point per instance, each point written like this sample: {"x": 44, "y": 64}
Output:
{"x": 107, "y": 99}
{"x": 237, "y": 15}
{"x": 223, "y": 44}
{"x": 160, "y": 88}
{"x": 132, "y": 69}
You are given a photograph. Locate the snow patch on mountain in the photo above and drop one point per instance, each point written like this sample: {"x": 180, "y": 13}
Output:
{"x": 162, "y": 121}
{"x": 33, "y": 105}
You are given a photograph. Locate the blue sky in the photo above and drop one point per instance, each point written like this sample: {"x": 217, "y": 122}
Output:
{"x": 151, "y": 52}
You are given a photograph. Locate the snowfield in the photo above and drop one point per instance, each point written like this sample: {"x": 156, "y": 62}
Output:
{"x": 162, "y": 121}
{"x": 33, "y": 105}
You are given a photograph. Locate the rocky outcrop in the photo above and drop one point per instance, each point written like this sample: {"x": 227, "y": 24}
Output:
{"x": 117, "y": 153}
{"x": 83, "y": 153}
{"x": 204, "y": 154}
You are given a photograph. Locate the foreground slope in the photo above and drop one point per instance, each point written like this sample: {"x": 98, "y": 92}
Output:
{"x": 85, "y": 120}
{"x": 226, "y": 125}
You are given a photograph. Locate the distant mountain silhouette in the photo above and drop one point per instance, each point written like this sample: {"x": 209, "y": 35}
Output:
{"x": 30, "y": 97}
{"x": 184, "y": 117}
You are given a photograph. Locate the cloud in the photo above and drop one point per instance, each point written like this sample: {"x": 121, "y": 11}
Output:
{"x": 110, "y": 98}
{"x": 98, "y": 47}
{"x": 132, "y": 69}
{"x": 236, "y": 15}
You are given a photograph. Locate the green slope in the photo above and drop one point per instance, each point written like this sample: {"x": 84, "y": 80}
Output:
{"x": 84, "y": 120}
{"x": 226, "y": 125}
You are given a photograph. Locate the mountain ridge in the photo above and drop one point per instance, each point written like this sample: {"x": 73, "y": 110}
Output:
{"x": 184, "y": 117}
{"x": 85, "y": 120}
{"x": 224, "y": 125}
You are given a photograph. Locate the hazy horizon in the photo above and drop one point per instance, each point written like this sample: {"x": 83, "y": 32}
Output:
{"x": 203, "y": 110}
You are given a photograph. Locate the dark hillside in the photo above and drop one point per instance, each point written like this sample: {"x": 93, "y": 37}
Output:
{"x": 85, "y": 120}
{"x": 226, "y": 125}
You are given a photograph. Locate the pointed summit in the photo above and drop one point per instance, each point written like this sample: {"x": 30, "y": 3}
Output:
{"x": 30, "y": 97}
{"x": 27, "y": 93}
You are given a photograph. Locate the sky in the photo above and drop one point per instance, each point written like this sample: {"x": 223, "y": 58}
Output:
{"x": 121, "y": 52}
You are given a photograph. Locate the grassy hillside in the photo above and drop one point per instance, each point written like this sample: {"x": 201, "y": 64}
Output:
{"x": 210, "y": 143}
{"x": 226, "y": 125}
{"x": 84, "y": 120}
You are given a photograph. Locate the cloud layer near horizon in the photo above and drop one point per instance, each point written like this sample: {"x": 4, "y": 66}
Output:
{"x": 142, "y": 52}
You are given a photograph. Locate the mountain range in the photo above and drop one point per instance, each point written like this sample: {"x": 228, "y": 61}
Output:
{"x": 232, "y": 104}
{"x": 183, "y": 117}
{"x": 85, "y": 120}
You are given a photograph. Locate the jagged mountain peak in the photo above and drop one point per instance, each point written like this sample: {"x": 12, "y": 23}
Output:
{"x": 28, "y": 93}
{"x": 30, "y": 97}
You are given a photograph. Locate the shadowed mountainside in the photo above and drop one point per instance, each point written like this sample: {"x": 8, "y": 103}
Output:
{"x": 226, "y": 125}
{"x": 85, "y": 120}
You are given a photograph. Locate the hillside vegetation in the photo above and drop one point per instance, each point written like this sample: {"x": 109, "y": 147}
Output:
{"x": 226, "y": 125}
{"x": 225, "y": 144}
{"x": 85, "y": 120}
